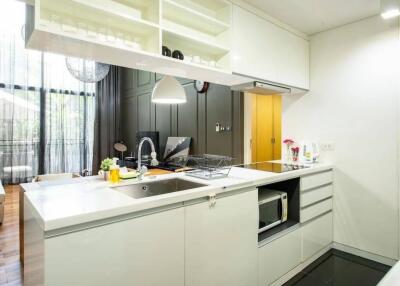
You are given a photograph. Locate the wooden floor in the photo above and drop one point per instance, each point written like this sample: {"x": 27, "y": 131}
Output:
{"x": 10, "y": 267}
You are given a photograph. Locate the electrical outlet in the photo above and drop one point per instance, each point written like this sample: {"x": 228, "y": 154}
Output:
{"x": 327, "y": 146}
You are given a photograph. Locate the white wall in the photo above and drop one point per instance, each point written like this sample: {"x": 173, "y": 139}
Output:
{"x": 354, "y": 103}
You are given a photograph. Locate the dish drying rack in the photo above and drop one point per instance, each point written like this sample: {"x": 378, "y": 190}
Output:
{"x": 208, "y": 166}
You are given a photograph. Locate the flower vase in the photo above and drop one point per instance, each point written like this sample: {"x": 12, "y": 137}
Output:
{"x": 289, "y": 156}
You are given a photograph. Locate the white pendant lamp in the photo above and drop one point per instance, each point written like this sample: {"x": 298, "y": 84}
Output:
{"x": 168, "y": 91}
{"x": 390, "y": 8}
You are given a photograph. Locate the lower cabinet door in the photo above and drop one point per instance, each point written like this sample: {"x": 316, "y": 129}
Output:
{"x": 279, "y": 257}
{"x": 142, "y": 251}
{"x": 316, "y": 235}
{"x": 221, "y": 242}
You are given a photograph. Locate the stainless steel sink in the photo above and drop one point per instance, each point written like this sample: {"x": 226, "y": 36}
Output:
{"x": 149, "y": 189}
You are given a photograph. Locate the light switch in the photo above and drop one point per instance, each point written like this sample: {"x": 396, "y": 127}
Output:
{"x": 327, "y": 146}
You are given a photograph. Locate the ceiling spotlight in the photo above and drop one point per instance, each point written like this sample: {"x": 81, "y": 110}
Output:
{"x": 390, "y": 8}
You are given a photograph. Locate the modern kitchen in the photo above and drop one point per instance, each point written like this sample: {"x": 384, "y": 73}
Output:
{"x": 199, "y": 143}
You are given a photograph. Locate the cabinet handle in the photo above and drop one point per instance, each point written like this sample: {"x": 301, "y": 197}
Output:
{"x": 212, "y": 199}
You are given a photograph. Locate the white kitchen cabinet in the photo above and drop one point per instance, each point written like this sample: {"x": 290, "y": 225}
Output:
{"x": 147, "y": 250}
{"x": 316, "y": 235}
{"x": 279, "y": 257}
{"x": 263, "y": 50}
{"x": 292, "y": 66}
{"x": 221, "y": 241}
{"x": 254, "y": 47}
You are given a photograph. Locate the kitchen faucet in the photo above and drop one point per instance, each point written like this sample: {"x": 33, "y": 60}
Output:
{"x": 143, "y": 169}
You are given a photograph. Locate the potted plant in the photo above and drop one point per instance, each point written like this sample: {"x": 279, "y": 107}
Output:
{"x": 105, "y": 168}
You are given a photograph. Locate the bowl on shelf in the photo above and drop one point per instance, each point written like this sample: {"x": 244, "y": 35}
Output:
{"x": 178, "y": 55}
{"x": 166, "y": 51}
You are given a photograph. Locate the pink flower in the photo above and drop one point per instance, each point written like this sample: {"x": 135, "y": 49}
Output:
{"x": 288, "y": 142}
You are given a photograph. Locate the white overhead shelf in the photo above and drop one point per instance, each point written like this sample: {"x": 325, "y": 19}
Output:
{"x": 218, "y": 9}
{"x": 92, "y": 19}
{"x": 193, "y": 18}
{"x": 130, "y": 33}
{"x": 118, "y": 10}
{"x": 190, "y": 41}
{"x": 91, "y": 49}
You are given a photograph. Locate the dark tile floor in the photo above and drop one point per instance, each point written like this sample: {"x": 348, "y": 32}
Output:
{"x": 337, "y": 268}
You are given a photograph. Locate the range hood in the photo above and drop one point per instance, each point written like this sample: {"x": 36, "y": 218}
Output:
{"x": 263, "y": 88}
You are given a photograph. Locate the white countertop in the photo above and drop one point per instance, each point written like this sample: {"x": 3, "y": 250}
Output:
{"x": 72, "y": 202}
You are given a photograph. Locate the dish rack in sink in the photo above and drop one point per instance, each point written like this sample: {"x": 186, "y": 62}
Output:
{"x": 209, "y": 166}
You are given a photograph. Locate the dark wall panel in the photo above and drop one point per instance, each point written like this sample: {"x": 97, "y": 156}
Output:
{"x": 219, "y": 110}
{"x": 129, "y": 126}
{"x": 195, "y": 119}
{"x": 187, "y": 118}
{"x": 144, "y": 81}
{"x": 163, "y": 124}
{"x": 144, "y": 112}
{"x": 238, "y": 127}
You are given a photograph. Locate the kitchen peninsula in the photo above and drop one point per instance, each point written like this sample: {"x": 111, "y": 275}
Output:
{"x": 87, "y": 221}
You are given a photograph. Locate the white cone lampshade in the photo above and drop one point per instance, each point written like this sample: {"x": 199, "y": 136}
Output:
{"x": 168, "y": 91}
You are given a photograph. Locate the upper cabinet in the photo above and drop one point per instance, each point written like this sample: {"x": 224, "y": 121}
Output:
{"x": 200, "y": 29}
{"x": 214, "y": 36}
{"x": 263, "y": 50}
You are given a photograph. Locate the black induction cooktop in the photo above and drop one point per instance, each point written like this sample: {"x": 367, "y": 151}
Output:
{"x": 274, "y": 167}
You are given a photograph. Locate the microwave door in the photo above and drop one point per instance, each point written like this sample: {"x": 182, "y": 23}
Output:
{"x": 270, "y": 214}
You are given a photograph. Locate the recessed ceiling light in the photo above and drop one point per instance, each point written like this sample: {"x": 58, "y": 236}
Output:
{"x": 390, "y": 8}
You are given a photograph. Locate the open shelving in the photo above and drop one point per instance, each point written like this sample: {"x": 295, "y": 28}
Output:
{"x": 292, "y": 188}
{"x": 201, "y": 30}
{"x": 102, "y": 20}
{"x": 131, "y": 33}
{"x": 131, "y": 9}
{"x": 192, "y": 47}
{"x": 217, "y": 9}
{"x": 174, "y": 11}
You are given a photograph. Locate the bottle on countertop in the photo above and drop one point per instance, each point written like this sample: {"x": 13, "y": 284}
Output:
{"x": 114, "y": 172}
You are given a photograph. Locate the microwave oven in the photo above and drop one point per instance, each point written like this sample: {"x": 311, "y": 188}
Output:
{"x": 273, "y": 209}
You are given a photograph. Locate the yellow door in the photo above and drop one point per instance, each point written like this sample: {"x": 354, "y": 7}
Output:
{"x": 266, "y": 127}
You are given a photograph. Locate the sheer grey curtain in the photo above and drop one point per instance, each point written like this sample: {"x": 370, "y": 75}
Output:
{"x": 107, "y": 117}
{"x": 46, "y": 116}
{"x": 19, "y": 100}
{"x": 69, "y": 119}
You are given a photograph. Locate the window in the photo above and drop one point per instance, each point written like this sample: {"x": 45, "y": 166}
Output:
{"x": 46, "y": 115}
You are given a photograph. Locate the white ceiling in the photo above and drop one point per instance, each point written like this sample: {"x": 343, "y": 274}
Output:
{"x": 313, "y": 16}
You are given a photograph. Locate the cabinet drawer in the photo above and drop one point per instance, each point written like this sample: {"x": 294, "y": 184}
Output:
{"x": 316, "y": 235}
{"x": 314, "y": 181}
{"x": 315, "y": 210}
{"x": 313, "y": 196}
{"x": 279, "y": 257}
